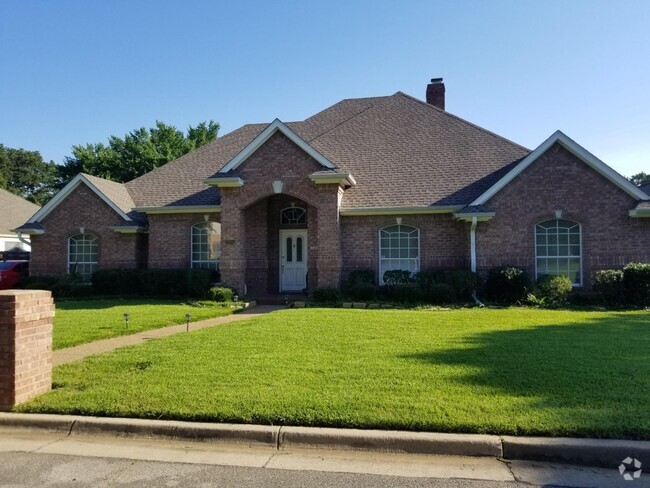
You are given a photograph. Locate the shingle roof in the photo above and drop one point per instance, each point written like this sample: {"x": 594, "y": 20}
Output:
{"x": 645, "y": 188}
{"x": 118, "y": 194}
{"x": 401, "y": 151}
{"x": 15, "y": 211}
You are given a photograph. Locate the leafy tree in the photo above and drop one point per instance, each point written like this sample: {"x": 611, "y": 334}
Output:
{"x": 138, "y": 152}
{"x": 640, "y": 179}
{"x": 25, "y": 173}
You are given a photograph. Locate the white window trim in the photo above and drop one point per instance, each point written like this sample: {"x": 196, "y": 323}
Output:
{"x": 290, "y": 208}
{"x": 201, "y": 261}
{"x": 81, "y": 262}
{"x": 575, "y": 285}
{"x": 380, "y": 278}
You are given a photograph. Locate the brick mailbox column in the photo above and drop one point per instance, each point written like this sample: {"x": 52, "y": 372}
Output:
{"x": 25, "y": 345}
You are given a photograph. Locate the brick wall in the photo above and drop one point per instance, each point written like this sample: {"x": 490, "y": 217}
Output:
{"x": 82, "y": 208}
{"x": 25, "y": 345}
{"x": 170, "y": 239}
{"x": 444, "y": 242}
{"x": 560, "y": 181}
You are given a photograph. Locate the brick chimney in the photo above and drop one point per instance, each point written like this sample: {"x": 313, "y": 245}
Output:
{"x": 436, "y": 93}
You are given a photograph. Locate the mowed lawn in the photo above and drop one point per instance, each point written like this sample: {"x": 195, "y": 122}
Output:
{"x": 80, "y": 321}
{"x": 507, "y": 371}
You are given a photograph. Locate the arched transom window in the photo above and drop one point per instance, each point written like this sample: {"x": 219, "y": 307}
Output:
{"x": 293, "y": 216}
{"x": 82, "y": 255}
{"x": 399, "y": 249}
{"x": 558, "y": 249}
{"x": 206, "y": 245}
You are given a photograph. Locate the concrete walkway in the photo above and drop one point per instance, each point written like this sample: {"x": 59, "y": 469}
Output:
{"x": 71, "y": 354}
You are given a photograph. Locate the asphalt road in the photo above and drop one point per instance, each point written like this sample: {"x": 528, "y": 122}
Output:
{"x": 34, "y": 459}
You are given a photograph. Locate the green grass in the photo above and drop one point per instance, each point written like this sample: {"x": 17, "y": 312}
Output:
{"x": 508, "y": 371}
{"x": 80, "y": 321}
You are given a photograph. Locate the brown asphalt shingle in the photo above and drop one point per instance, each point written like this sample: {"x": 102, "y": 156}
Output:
{"x": 14, "y": 211}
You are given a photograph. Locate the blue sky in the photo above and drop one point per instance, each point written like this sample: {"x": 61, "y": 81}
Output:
{"x": 73, "y": 72}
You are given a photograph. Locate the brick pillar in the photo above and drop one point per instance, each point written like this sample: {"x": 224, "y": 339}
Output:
{"x": 329, "y": 237}
{"x": 233, "y": 240}
{"x": 25, "y": 345}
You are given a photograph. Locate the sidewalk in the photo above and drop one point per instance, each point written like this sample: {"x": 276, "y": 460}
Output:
{"x": 71, "y": 354}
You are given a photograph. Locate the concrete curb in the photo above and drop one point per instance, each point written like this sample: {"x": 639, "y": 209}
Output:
{"x": 591, "y": 452}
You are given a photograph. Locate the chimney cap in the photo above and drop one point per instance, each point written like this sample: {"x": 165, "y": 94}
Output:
{"x": 436, "y": 80}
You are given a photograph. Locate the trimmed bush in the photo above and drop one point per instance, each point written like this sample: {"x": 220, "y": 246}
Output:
{"x": 441, "y": 293}
{"x": 192, "y": 283}
{"x": 397, "y": 277}
{"x": 428, "y": 277}
{"x": 406, "y": 293}
{"x": 609, "y": 284}
{"x": 363, "y": 291}
{"x": 220, "y": 294}
{"x": 553, "y": 290}
{"x": 463, "y": 282}
{"x": 507, "y": 284}
{"x": 361, "y": 276}
{"x": 327, "y": 295}
{"x": 636, "y": 280}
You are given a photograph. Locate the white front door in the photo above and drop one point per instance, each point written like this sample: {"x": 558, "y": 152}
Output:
{"x": 293, "y": 260}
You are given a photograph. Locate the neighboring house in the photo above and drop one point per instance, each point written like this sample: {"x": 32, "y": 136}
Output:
{"x": 14, "y": 211}
{"x": 383, "y": 183}
{"x": 645, "y": 188}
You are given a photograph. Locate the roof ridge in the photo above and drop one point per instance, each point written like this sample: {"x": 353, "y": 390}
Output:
{"x": 460, "y": 119}
{"x": 345, "y": 121}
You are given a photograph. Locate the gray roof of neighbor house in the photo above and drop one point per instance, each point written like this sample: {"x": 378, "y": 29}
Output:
{"x": 14, "y": 211}
{"x": 400, "y": 150}
{"x": 645, "y": 188}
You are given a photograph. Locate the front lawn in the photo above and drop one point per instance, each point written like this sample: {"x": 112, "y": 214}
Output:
{"x": 80, "y": 321}
{"x": 514, "y": 371}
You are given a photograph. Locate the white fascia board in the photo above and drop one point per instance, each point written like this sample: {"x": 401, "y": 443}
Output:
{"x": 480, "y": 216}
{"x": 29, "y": 232}
{"x": 575, "y": 149}
{"x": 179, "y": 209}
{"x": 271, "y": 129}
{"x": 230, "y": 182}
{"x": 640, "y": 212}
{"x": 335, "y": 178}
{"x": 353, "y": 212}
{"x": 67, "y": 189}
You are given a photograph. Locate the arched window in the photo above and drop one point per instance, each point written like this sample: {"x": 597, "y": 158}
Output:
{"x": 82, "y": 255}
{"x": 293, "y": 216}
{"x": 558, "y": 250}
{"x": 399, "y": 248}
{"x": 206, "y": 245}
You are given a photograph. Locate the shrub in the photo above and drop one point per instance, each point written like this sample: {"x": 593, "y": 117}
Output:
{"x": 192, "y": 283}
{"x": 507, "y": 284}
{"x": 220, "y": 294}
{"x": 361, "y": 276}
{"x": 397, "y": 277}
{"x": 554, "y": 290}
{"x": 440, "y": 293}
{"x": 428, "y": 277}
{"x": 363, "y": 291}
{"x": 609, "y": 284}
{"x": 636, "y": 280}
{"x": 405, "y": 292}
{"x": 463, "y": 282}
{"x": 327, "y": 295}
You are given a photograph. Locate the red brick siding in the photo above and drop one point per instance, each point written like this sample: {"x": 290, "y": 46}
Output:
{"x": 560, "y": 181}
{"x": 170, "y": 239}
{"x": 444, "y": 243}
{"x": 82, "y": 208}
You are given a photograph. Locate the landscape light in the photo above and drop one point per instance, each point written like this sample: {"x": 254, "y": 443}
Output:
{"x": 188, "y": 316}
{"x": 127, "y": 316}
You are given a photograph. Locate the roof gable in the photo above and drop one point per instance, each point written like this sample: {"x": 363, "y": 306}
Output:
{"x": 577, "y": 150}
{"x": 264, "y": 136}
{"x": 94, "y": 184}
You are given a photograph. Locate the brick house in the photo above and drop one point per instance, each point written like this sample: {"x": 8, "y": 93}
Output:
{"x": 382, "y": 183}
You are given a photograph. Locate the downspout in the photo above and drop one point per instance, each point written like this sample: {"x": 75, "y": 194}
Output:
{"x": 472, "y": 252}
{"x": 23, "y": 240}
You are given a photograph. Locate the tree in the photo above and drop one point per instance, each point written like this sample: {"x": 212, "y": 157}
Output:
{"x": 26, "y": 174}
{"x": 140, "y": 151}
{"x": 640, "y": 179}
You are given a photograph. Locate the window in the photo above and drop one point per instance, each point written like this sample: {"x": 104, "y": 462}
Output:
{"x": 206, "y": 245}
{"x": 82, "y": 255}
{"x": 558, "y": 250}
{"x": 293, "y": 216}
{"x": 399, "y": 249}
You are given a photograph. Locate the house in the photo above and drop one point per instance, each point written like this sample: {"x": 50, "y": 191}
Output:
{"x": 384, "y": 183}
{"x": 14, "y": 211}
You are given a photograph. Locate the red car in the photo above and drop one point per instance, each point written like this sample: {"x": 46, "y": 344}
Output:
{"x": 11, "y": 272}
